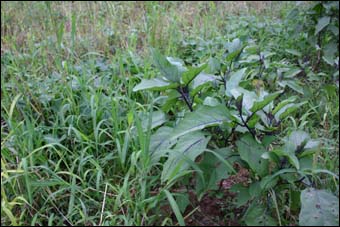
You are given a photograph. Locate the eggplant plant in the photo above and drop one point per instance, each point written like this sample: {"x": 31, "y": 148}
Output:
{"x": 253, "y": 118}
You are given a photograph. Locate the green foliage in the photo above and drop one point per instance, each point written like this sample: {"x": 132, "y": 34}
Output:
{"x": 251, "y": 152}
{"x": 256, "y": 216}
{"x": 155, "y": 84}
{"x": 318, "y": 207}
{"x": 204, "y": 116}
{"x": 189, "y": 146}
{"x": 169, "y": 70}
{"x": 175, "y": 208}
{"x": 156, "y": 122}
{"x": 234, "y": 81}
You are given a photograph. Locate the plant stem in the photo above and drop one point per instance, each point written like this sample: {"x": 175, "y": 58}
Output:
{"x": 225, "y": 75}
{"x": 245, "y": 123}
{"x": 261, "y": 65}
{"x": 186, "y": 99}
{"x": 250, "y": 116}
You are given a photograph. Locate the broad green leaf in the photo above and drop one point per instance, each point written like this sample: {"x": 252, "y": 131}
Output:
{"x": 306, "y": 163}
{"x": 251, "y": 58}
{"x": 322, "y": 23}
{"x": 287, "y": 110}
{"x": 242, "y": 194}
{"x": 311, "y": 146}
{"x": 214, "y": 65}
{"x": 214, "y": 170}
{"x": 258, "y": 105}
{"x": 234, "y": 81}
{"x": 249, "y": 97}
{"x": 271, "y": 180}
{"x": 284, "y": 103}
{"x": 289, "y": 152}
{"x": 267, "y": 54}
{"x": 330, "y": 51}
{"x": 233, "y": 46}
{"x": 200, "y": 81}
{"x": 334, "y": 29}
{"x": 317, "y": 7}
{"x": 154, "y": 84}
{"x": 253, "y": 121}
{"x": 292, "y": 73}
{"x": 233, "y": 55}
{"x": 255, "y": 189}
{"x": 171, "y": 72}
{"x": 271, "y": 155}
{"x": 159, "y": 143}
{"x": 328, "y": 59}
{"x": 292, "y": 84}
{"x": 169, "y": 101}
{"x": 251, "y": 151}
{"x": 296, "y": 139}
{"x": 252, "y": 49}
{"x": 256, "y": 215}
{"x": 189, "y": 145}
{"x": 318, "y": 208}
{"x": 175, "y": 208}
{"x": 204, "y": 116}
{"x": 294, "y": 52}
{"x": 234, "y": 49}
{"x": 267, "y": 140}
{"x": 179, "y": 63}
{"x": 189, "y": 75}
{"x": 158, "y": 118}
{"x": 211, "y": 101}
{"x": 226, "y": 163}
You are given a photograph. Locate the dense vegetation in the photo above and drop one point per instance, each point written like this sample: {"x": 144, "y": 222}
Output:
{"x": 170, "y": 113}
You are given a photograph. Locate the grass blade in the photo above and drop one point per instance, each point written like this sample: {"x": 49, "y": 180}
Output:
{"x": 175, "y": 208}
